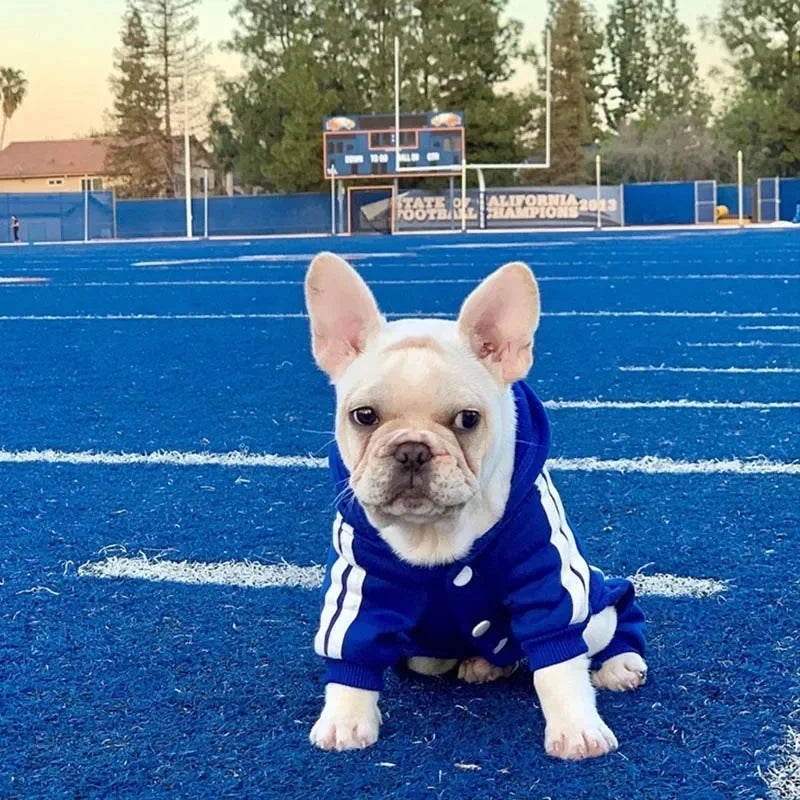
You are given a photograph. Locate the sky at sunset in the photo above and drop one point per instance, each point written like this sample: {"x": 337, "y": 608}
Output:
{"x": 65, "y": 50}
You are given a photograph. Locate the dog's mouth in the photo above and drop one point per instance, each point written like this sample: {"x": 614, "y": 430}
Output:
{"x": 415, "y": 505}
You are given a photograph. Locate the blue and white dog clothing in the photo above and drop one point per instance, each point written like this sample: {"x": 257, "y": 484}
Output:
{"x": 525, "y": 590}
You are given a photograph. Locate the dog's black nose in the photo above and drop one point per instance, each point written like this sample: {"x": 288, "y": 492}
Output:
{"x": 413, "y": 455}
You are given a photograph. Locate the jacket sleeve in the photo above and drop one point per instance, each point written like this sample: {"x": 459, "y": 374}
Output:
{"x": 548, "y": 584}
{"x": 363, "y": 616}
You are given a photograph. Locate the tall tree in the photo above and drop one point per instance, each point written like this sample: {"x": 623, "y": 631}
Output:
{"x": 176, "y": 51}
{"x": 653, "y": 63}
{"x": 762, "y": 118}
{"x": 13, "y": 88}
{"x": 137, "y": 123}
{"x": 569, "y": 104}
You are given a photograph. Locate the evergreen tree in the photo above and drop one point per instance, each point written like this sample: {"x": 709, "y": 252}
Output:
{"x": 175, "y": 51}
{"x": 653, "y": 64}
{"x": 136, "y": 152}
{"x": 571, "y": 128}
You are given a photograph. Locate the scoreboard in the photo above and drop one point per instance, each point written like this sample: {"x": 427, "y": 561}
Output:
{"x": 363, "y": 145}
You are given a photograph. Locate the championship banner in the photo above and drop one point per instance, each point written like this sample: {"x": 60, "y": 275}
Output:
{"x": 517, "y": 207}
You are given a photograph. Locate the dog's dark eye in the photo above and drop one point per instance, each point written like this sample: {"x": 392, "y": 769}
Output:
{"x": 365, "y": 416}
{"x": 467, "y": 420}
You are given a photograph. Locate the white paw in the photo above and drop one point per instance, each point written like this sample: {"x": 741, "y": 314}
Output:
{"x": 350, "y": 719}
{"x": 579, "y": 739}
{"x": 621, "y": 673}
{"x": 479, "y": 670}
{"x": 347, "y": 732}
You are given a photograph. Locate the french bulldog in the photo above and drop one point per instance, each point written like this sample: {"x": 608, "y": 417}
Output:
{"x": 451, "y": 548}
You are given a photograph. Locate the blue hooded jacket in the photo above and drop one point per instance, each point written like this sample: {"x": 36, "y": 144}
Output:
{"x": 525, "y": 588}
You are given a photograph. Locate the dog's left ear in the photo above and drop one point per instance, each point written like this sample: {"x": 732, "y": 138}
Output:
{"x": 498, "y": 321}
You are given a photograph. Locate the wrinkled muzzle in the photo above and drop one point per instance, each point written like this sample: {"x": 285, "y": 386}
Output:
{"x": 413, "y": 473}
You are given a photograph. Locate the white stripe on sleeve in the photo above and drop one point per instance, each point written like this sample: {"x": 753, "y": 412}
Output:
{"x": 330, "y": 604}
{"x": 561, "y": 537}
{"x": 352, "y": 598}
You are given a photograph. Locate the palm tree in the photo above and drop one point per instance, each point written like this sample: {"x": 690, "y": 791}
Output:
{"x": 13, "y": 86}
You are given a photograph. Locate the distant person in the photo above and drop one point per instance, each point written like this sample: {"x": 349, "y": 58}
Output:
{"x": 15, "y": 227}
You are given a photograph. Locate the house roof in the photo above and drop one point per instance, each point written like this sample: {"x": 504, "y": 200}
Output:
{"x": 64, "y": 157}
{"x": 72, "y": 157}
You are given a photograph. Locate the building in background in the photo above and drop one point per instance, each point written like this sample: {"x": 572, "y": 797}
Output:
{"x": 70, "y": 165}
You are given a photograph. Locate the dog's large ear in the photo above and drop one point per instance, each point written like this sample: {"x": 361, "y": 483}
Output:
{"x": 343, "y": 313}
{"x": 498, "y": 321}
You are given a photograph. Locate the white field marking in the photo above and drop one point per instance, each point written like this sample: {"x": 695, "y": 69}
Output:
{"x": 646, "y": 464}
{"x": 418, "y": 282}
{"x": 783, "y": 776}
{"x": 655, "y": 465}
{"x": 560, "y": 405}
{"x": 226, "y": 573}
{"x": 171, "y": 457}
{"x": 664, "y": 585}
{"x": 716, "y": 370}
{"x": 271, "y": 257}
{"x": 756, "y": 343}
{"x": 22, "y": 280}
{"x": 391, "y": 315}
{"x": 768, "y": 327}
{"x": 253, "y": 575}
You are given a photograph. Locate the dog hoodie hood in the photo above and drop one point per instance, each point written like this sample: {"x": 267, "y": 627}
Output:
{"x": 525, "y": 588}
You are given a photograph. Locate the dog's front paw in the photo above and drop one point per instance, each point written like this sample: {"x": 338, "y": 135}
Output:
{"x": 579, "y": 739}
{"x": 621, "y": 673}
{"x": 350, "y": 719}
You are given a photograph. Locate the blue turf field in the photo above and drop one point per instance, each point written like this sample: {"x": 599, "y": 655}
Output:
{"x": 135, "y": 688}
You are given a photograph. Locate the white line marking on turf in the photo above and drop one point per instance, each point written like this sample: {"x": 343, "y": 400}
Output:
{"x": 645, "y": 464}
{"x": 756, "y": 343}
{"x": 253, "y": 575}
{"x": 391, "y": 315}
{"x": 665, "y": 585}
{"x": 558, "y": 405}
{"x": 783, "y": 776}
{"x": 768, "y": 327}
{"x": 281, "y": 257}
{"x": 171, "y": 457}
{"x": 226, "y": 573}
{"x": 416, "y": 281}
{"x": 716, "y": 370}
{"x": 22, "y": 281}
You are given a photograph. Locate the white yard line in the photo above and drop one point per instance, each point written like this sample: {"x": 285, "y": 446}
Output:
{"x": 627, "y": 405}
{"x": 768, "y": 327}
{"x": 391, "y": 315}
{"x": 755, "y": 343}
{"x": 21, "y": 282}
{"x": 251, "y": 574}
{"x": 715, "y": 370}
{"x": 647, "y": 464}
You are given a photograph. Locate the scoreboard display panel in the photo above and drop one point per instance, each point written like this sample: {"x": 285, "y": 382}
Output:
{"x": 363, "y": 145}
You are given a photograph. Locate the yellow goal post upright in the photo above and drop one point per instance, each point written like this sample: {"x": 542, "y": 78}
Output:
{"x": 464, "y": 166}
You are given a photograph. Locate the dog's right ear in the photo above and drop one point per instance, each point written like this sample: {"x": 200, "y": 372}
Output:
{"x": 343, "y": 313}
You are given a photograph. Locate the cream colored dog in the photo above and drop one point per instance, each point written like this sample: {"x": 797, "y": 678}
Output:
{"x": 426, "y": 427}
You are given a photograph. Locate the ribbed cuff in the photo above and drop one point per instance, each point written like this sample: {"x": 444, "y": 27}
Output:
{"x": 355, "y": 675}
{"x": 546, "y": 652}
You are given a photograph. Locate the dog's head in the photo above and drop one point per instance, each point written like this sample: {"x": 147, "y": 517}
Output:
{"x": 422, "y": 405}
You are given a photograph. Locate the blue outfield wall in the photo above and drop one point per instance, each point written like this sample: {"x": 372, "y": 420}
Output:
{"x": 659, "y": 203}
{"x": 227, "y": 216}
{"x": 789, "y": 197}
{"x": 56, "y": 216}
